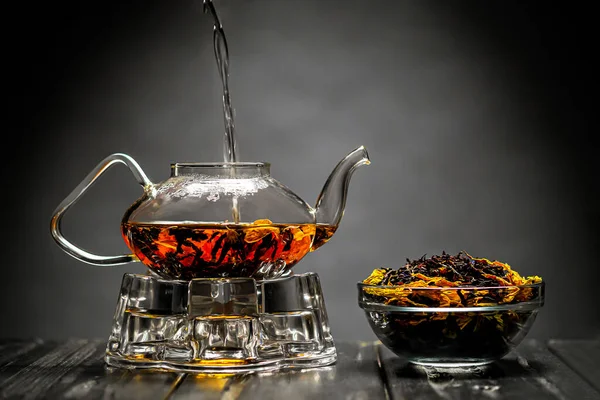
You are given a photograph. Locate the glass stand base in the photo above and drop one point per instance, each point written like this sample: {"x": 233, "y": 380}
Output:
{"x": 220, "y": 325}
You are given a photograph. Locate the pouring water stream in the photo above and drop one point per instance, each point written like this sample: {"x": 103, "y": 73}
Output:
{"x": 222, "y": 56}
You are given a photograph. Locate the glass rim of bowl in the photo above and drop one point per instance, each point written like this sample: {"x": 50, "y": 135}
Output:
{"x": 537, "y": 301}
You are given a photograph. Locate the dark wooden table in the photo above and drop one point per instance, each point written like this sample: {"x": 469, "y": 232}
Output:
{"x": 74, "y": 369}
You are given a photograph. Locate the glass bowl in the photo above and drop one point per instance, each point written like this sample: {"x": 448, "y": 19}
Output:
{"x": 451, "y": 326}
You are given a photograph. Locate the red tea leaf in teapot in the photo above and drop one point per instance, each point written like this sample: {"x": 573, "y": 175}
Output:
{"x": 189, "y": 251}
{"x": 253, "y": 235}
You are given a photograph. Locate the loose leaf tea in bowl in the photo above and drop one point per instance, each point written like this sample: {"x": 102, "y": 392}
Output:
{"x": 451, "y": 310}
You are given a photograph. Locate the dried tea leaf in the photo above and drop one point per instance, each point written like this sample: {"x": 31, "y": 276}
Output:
{"x": 449, "y": 271}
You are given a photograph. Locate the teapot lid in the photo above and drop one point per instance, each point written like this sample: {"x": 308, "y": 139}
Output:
{"x": 222, "y": 169}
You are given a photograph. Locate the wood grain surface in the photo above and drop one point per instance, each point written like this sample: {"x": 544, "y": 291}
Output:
{"x": 74, "y": 369}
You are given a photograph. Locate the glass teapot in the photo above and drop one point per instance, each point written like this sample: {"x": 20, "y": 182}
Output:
{"x": 211, "y": 220}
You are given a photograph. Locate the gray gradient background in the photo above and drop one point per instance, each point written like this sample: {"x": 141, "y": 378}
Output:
{"x": 475, "y": 115}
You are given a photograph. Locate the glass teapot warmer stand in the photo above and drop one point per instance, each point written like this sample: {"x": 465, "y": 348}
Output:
{"x": 228, "y": 325}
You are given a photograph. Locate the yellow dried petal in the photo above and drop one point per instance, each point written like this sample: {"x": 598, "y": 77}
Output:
{"x": 263, "y": 222}
{"x": 253, "y": 235}
{"x": 375, "y": 278}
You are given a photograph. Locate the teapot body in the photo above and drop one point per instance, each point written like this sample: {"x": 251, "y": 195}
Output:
{"x": 219, "y": 220}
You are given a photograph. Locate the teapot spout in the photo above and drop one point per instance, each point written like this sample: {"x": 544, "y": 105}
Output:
{"x": 332, "y": 200}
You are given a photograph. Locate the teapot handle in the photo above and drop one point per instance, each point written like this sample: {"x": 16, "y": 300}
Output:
{"x": 70, "y": 248}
